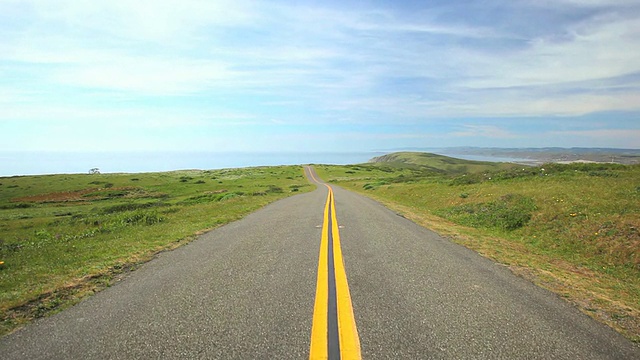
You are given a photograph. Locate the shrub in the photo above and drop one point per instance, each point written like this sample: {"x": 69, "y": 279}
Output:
{"x": 228, "y": 196}
{"x": 141, "y": 218}
{"x": 16, "y": 206}
{"x": 204, "y": 198}
{"x": 466, "y": 179}
{"x": 603, "y": 173}
{"x": 375, "y": 185}
{"x": 509, "y": 212}
{"x": 130, "y": 207}
{"x": 210, "y": 197}
{"x": 274, "y": 189}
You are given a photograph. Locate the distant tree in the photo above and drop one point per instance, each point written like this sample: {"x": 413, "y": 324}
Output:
{"x": 94, "y": 171}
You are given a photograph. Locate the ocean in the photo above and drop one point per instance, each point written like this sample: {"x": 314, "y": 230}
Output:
{"x": 40, "y": 163}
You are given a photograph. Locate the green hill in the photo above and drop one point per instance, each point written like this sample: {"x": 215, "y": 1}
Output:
{"x": 439, "y": 163}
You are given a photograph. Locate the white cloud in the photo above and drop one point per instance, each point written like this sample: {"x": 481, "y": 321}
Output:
{"x": 620, "y": 138}
{"x": 581, "y": 3}
{"x": 152, "y": 20}
{"x": 594, "y": 52}
{"x": 484, "y": 131}
{"x": 335, "y": 64}
{"x": 145, "y": 75}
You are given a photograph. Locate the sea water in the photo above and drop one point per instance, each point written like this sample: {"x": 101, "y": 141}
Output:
{"x": 39, "y": 163}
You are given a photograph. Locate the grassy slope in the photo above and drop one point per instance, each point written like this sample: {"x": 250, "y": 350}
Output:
{"x": 65, "y": 236}
{"x": 571, "y": 228}
{"x": 438, "y": 163}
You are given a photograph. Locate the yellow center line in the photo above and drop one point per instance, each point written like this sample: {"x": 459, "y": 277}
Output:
{"x": 311, "y": 174}
{"x": 347, "y": 332}
{"x": 319, "y": 328}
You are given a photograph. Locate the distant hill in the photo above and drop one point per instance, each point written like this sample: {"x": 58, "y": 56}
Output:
{"x": 438, "y": 163}
{"x": 541, "y": 155}
{"x": 552, "y": 155}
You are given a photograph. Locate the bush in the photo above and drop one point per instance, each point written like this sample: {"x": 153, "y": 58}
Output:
{"x": 375, "y": 185}
{"x": 141, "y": 218}
{"x": 296, "y": 186}
{"x": 603, "y": 173}
{"x": 228, "y": 196}
{"x": 510, "y": 212}
{"x": 274, "y": 189}
{"x": 466, "y": 179}
{"x": 210, "y": 197}
{"x": 16, "y": 206}
{"x": 204, "y": 198}
{"x": 130, "y": 207}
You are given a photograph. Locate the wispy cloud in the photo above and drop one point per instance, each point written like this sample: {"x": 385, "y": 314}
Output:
{"x": 484, "y": 131}
{"x": 625, "y": 138}
{"x": 389, "y": 66}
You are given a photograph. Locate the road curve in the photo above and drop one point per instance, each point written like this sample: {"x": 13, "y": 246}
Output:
{"x": 247, "y": 290}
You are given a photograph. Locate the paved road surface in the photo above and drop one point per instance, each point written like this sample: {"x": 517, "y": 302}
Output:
{"x": 247, "y": 291}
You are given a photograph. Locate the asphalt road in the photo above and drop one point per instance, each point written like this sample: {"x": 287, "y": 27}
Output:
{"x": 247, "y": 290}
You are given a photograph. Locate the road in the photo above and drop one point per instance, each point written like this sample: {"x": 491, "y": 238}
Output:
{"x": 248, "y": 291}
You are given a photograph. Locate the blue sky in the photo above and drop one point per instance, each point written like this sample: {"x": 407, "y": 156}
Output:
{"x": 196, "y": 75}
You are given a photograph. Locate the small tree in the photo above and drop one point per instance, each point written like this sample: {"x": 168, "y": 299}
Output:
{"x": 94, "y": 171}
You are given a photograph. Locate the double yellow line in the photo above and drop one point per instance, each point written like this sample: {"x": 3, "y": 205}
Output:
{"x": 334, "y": 334}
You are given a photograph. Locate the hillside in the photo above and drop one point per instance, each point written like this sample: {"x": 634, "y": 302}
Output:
{"x": 549, "y": 155}
{"x": 439, "y": 163}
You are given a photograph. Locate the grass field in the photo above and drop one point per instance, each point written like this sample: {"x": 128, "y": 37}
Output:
{"x": 63, "y": 237}
{"x": 574, "y": 229}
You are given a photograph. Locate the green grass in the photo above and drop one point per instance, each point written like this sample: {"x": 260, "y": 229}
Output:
{"x": 65, "y": 236}
{"x": 572, "y": 228}
{"x": 438, "y": 164}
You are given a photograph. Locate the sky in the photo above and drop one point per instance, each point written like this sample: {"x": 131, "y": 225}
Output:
{"x": 209, "y": 75}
